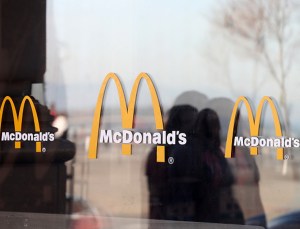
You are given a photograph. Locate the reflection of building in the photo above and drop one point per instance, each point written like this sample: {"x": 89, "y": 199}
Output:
{"x": 22, "y": 45}
{"x": 29, "y": 181}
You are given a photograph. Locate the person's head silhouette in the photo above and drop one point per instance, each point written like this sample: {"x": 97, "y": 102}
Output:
{"x": 208, "y": 129}
{"x": 193, "y": 98}
{"x": 181, "y": 118}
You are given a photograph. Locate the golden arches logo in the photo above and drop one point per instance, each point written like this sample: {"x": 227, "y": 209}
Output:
{"x": 127, "y": 113}
{"x": 254, "y": 124}
{"x": 18, "y": 117}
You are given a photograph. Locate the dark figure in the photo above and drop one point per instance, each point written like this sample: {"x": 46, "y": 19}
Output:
{"x": 218, "y": 204}
{"x": 243, "y": 165}
{"x": 200, "y": 179}
{"x": 181, "y": 118}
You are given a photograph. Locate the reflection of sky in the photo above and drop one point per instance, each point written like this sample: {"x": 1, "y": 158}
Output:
{"x": 172, "y": 40}
{"x": 162, "y": 38}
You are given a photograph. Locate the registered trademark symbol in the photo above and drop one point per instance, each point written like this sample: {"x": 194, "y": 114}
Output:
{"x": 171, "y": 160}
{"x": 44, "y": 150}
{"x": 286, "y": 157}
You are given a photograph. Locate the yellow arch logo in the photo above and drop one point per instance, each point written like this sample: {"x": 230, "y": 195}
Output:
{"x": 254, "y": 124}
{"x": 18, "y": 117}
{"x": 127, "y": 113}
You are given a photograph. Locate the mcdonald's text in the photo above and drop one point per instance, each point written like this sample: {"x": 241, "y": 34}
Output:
{"x": 157, "y": 138}
{"x": 31, "y": 137}
{"x": 254, "y": 124}
{"x": 18, "y": 135}
{"x": 266, "y": 142}
{"x": 127, "y": 113}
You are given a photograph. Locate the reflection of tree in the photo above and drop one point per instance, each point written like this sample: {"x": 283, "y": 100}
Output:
{"x": 265, "y": 29}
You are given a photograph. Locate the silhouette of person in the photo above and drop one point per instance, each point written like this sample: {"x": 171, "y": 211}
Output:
{"x": 181, "y": 118}
{"x": 243, "y": 166}
{"x": 200, "y": 182}
{"x": 212, "y": 166}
